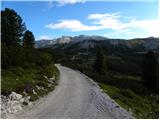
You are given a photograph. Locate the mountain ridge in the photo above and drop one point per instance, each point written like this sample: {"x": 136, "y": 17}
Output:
{"x": 90, "y": 42}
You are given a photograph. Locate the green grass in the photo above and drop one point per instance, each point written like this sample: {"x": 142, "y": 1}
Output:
{"x": 20, "y": 79}
{"x": 141, "y": 106}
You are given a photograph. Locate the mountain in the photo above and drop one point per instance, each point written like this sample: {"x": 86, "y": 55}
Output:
{"x": 83, "y": 42}
{"x": 66, "y": 39}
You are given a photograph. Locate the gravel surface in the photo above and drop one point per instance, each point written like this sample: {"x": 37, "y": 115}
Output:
{"x": 77, "y": 97}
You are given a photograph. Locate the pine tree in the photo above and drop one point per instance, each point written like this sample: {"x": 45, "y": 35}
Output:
{"x": 12, "y": 27}
{"x": 150, "y": 71}
{"x": 28, "y": 39}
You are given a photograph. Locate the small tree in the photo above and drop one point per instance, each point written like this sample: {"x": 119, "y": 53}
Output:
{"x": 150, "y": 71}
{"x": 28, "y": 39}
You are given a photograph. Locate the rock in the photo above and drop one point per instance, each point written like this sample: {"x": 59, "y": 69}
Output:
{"x": 130, "y": 111}
{"x": 34, "y": 92}
{"x": 26, "y": 99}
{"x": 16, "y": 107}
{"x": 52, "y": 78}
{"x": 15, "y": 96}
{"x": 38, "y": 87}
{"x": 42, "y": 88}
{"x": 11, "y": 106}
{"x": 12, "y": 103}
{"x": 29, "y": 103}
{"x": 24, "y": 93}
{"x": 49, "y": 85}
{"x": 21, "y": 100}
{"x": 45, "y": 77}
{"x": 3, "y": 97}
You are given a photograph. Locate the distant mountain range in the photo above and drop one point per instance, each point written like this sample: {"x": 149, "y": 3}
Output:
{"x": 66, "y": 39}
{"x": 83, "y": 42}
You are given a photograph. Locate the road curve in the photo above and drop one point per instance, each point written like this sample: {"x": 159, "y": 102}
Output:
{"x": 77, "y": 97}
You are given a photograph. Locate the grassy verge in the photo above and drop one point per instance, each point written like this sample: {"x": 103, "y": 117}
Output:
{"x": 141, "y": 106}
{"x": 29, "y": 81}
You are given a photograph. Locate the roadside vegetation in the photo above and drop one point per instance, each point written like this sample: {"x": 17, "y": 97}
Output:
{"x": 25, "y": 69}
{"x": 131, "y": 80}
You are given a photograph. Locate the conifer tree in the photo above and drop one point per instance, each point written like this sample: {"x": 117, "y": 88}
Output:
{"x": 28, "y": 39}
{"x": 12, "y": 27}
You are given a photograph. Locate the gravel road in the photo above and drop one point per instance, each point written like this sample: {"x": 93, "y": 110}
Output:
{"x": 76, "y": 96}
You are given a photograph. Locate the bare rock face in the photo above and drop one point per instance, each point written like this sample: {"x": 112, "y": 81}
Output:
{"x": 12, "y": 103}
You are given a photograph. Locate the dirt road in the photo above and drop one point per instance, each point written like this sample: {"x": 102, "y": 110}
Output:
{"x": 76, "y": 96}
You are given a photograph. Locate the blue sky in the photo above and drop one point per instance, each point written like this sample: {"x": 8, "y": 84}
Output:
{"x": 113, "y": 18}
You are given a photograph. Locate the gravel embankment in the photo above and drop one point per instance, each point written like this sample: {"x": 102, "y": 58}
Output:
{"x": 76, "y": 96}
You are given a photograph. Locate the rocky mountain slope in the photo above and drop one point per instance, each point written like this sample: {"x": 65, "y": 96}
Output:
{"x": 90, "y": 42}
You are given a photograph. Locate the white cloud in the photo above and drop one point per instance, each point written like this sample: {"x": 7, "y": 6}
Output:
{"x": 138, "y": 28}
{"x": 65, "y": 2}
{"x": 113, "y": 22}
{"x": 99, "y": 21}
{"x": 51, "y": 3}
{"x": 45, "y": 37}
{"x": 100, "y": 16}
{"x": 107, "y": 20}
{"x": 72, "y": 25}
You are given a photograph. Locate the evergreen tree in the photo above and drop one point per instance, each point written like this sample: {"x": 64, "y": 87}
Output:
{"x": 12, "y": 27}
{"x": 100, "y": 63}
{"x": 28, "y": 39}
{"x": 150, "y": 71}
